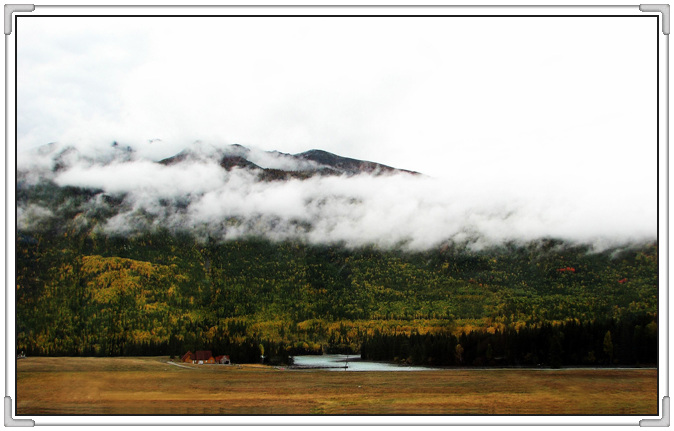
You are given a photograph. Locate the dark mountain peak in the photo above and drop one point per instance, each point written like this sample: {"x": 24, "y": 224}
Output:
{"x": 180, "y": 157}
{"x": 348, "y": 165}
{"x": 236, "y": 150}
{"x": 233, "y": 161}
{"x": 276, "y": 165}
{"x": 321, "y": 156}
{"x": 229, "y": 157}
{"x": 200, "y": 151}
{"x": 239, "y": 147}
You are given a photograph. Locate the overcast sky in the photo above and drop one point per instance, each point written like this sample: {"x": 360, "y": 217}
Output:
{"x": 562, "y": 106}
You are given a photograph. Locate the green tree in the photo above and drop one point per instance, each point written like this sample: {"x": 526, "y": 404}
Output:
{"x": 490, "y": 352}
{"x": 458, "y": 354}
{"x": 608, "y": 346}
{"x": 555, "y": 350}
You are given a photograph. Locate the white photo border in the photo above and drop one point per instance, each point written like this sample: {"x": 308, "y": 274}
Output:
{"x": 10, "y": 207}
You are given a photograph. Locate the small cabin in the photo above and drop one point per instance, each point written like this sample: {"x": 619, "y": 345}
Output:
{"x": 204, "y": 357}
{"x": 222, "y": 359}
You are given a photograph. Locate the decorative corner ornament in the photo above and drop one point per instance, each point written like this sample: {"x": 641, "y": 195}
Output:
{"x": 10, "y": 9}
{"x": 664, "y": 420}
{"x": 663, "y": 9}
{"x": 9, "y": 420}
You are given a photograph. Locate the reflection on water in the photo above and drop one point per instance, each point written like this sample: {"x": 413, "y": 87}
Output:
{"x": 348, "y": 363}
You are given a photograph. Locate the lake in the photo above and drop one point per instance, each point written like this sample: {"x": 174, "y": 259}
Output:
{"x": 352, "y": 363}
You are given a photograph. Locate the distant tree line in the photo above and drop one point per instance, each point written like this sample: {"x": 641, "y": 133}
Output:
{"x": 630, "y": 341}
{"x": 246, "y": 351}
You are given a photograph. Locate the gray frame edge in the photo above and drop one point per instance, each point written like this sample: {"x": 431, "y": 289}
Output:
{"x": 663, "y": 421}
{"x": 663, "y": 9}
{"x": 10, "y": 9}
{"x": 10, "y": 421}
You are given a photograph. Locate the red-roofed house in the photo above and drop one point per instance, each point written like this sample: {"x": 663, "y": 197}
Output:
{"x": 204, "y": 357}
{"x": 188, "y": 357}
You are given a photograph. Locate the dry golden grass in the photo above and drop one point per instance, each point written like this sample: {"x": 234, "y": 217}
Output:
{"x": 80, "y": 386}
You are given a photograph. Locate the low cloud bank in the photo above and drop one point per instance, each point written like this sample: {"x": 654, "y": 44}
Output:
{"x": 413, "y": 212}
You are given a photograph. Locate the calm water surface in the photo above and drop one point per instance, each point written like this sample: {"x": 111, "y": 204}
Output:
{"x": 351, "y": 362}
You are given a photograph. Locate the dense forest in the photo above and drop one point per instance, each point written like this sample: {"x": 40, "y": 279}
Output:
{"x": 162, "y": 293}
{"x": 628, "y": 341}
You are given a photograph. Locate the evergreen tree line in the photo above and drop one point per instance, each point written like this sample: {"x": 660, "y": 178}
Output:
{"x": 630, "y": 341}
{"x": 244, "y": 351}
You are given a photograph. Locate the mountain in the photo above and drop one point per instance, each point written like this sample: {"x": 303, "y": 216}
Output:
{"x": 203, "y": 187}
{"x": 275, "y": 165}
{"x": 211, "y": 250}
{"x": 272, "y": 165}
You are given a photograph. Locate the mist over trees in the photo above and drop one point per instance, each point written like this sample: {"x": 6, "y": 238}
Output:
{"x": 303, "y": 254}
{"x": 232, "y": 192}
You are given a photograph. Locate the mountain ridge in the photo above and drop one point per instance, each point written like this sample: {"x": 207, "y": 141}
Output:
{"x": 272, "y": 165}
{"x": 321, "y": 162}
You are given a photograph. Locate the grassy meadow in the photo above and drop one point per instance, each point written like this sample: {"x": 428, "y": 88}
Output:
{"x": 150, "y": 385}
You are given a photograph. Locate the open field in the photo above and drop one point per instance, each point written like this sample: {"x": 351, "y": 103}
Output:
{"x": 149, "y": 385}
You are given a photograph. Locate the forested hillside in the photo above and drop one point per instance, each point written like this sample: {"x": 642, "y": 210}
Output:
{"x": 244, "y": 252}
{"x": 166, "y": 293}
